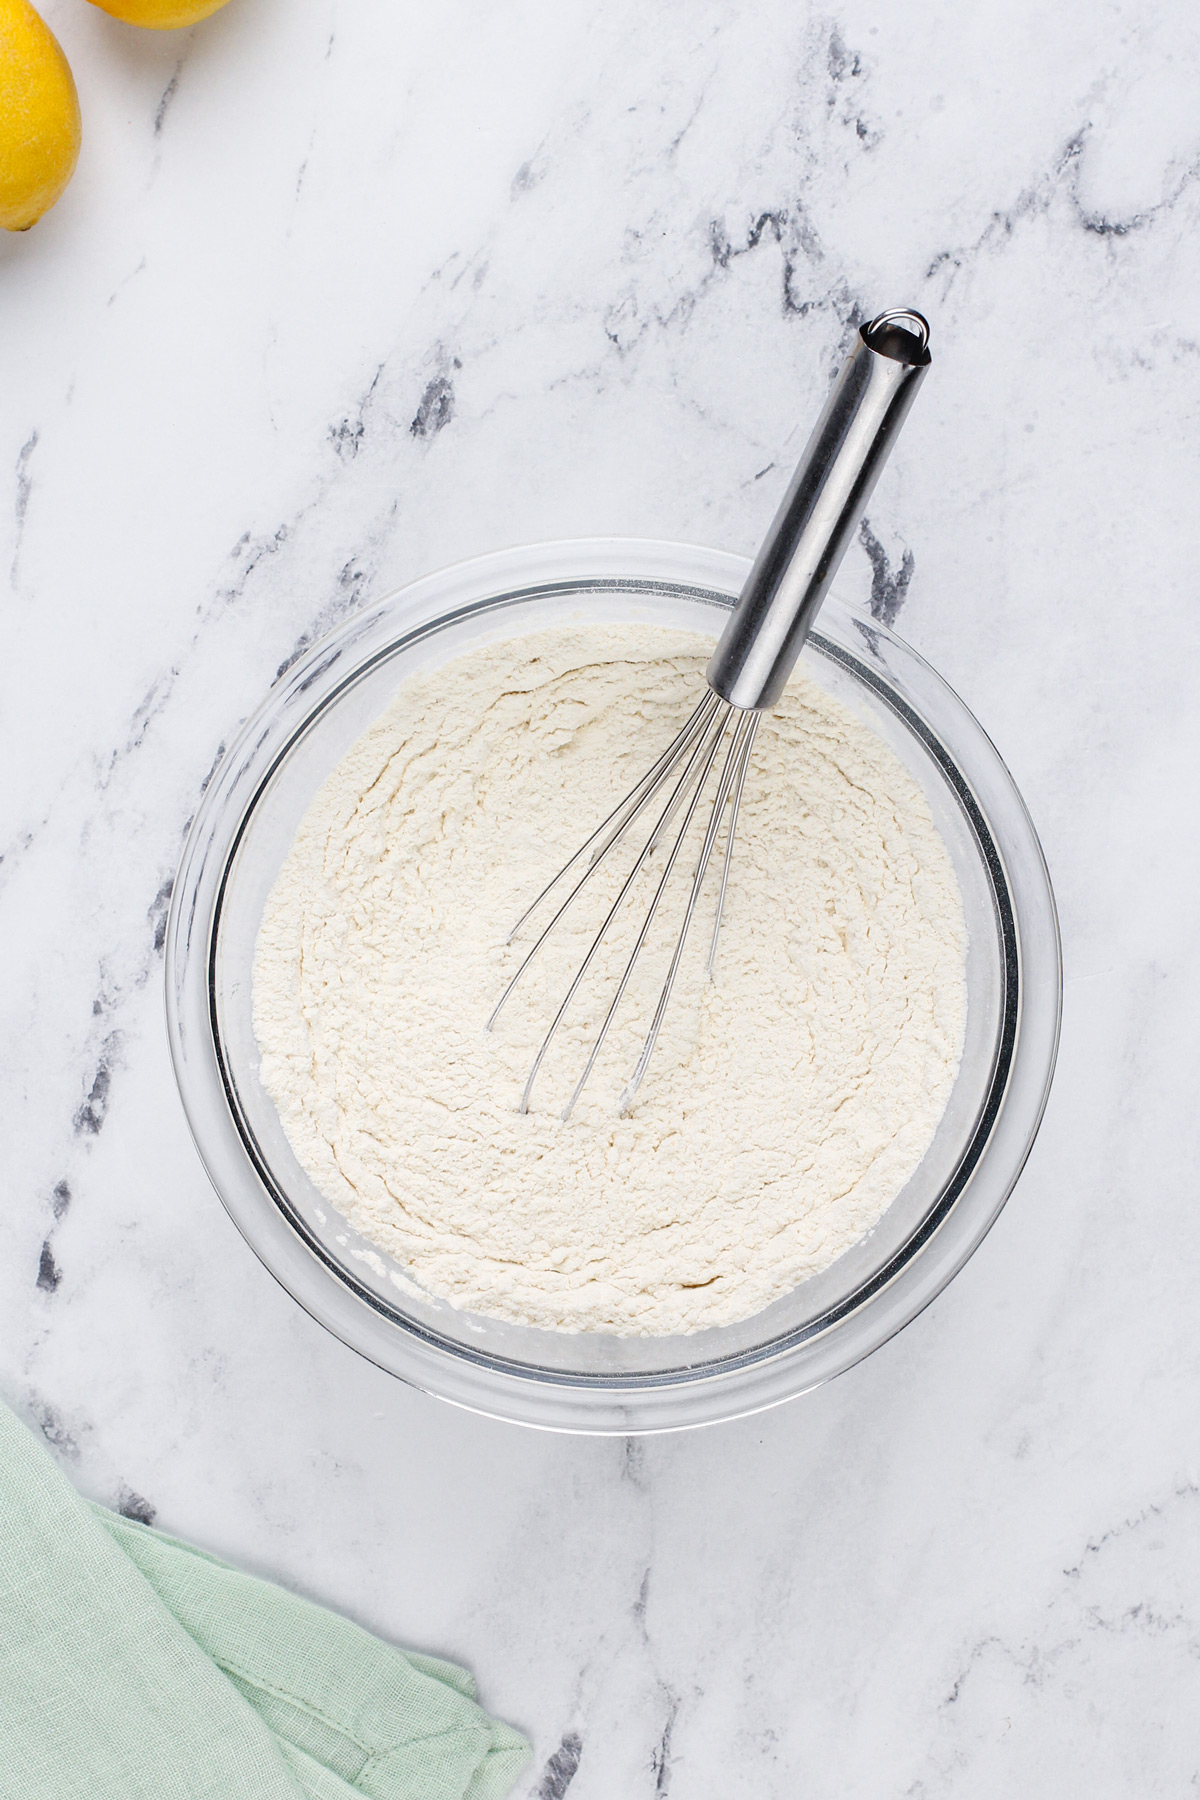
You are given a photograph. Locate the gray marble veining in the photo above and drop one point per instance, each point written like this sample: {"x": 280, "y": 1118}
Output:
{"x": 342, "y": 293}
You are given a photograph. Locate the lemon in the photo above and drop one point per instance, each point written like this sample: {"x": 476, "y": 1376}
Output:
{"x": 159, "y": 15}
{"x": 39, "y": 117}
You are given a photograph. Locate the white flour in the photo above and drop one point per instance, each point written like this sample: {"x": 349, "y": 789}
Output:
{"x": 788, "y": 1101}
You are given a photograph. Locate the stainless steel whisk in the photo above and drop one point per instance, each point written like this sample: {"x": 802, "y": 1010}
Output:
{"x": 749, "y": 669}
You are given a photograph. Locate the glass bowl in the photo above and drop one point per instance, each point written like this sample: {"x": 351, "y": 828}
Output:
{"x": 589, "y": 1381}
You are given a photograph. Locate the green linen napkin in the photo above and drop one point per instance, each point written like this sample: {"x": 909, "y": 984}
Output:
{"x": 134, "y": 1667}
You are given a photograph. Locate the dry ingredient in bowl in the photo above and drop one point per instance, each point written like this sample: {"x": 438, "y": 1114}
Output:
{"x": 789, "y": 1100}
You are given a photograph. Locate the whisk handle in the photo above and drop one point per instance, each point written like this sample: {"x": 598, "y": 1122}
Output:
{"x": 821, "y": 510}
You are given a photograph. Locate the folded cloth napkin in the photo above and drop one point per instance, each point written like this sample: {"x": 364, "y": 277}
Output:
{"x": 134, "y": 1667}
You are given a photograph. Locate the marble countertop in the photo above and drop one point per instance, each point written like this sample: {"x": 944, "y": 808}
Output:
{"x": 347, "y": 291}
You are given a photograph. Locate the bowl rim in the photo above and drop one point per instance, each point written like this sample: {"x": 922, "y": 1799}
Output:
{"x": 746, "y": 1382}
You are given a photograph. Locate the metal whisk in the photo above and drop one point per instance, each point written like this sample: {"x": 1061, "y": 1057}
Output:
{"x": 749, "y": 669}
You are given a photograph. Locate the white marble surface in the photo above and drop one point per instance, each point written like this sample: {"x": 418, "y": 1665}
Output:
{"x": 349, "y": 290}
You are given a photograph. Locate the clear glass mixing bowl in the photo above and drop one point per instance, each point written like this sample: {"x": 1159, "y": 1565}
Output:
{"x": 591, "y": 1382}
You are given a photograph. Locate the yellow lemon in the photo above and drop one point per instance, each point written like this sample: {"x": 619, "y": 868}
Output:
{"x": 159, "y": 15}
{"x": 39, "y": 117}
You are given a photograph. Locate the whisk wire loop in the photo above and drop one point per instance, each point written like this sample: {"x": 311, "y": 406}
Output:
{"x": 696, "y": 746}
{"x": 711, "y": 750}
{"x": 699, "y": 761}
